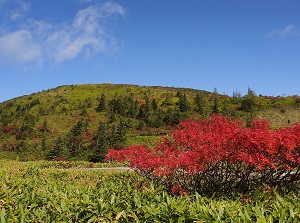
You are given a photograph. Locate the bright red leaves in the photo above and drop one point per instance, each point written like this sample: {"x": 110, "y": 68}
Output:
{"x": 222, "y": 150}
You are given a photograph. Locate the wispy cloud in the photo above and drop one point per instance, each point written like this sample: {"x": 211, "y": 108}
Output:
{"x": 19, "y": 47}
{"x": 38, "y": 40}
{"x": 14, "y": 9}
{"x": 21, "y": 9}
{"x": 287, "y": 31}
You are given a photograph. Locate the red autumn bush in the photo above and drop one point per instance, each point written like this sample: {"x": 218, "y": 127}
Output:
{"x": 218, "y": 155}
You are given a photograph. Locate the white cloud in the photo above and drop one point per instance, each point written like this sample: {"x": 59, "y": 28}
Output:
{"x": 14, "y": 9}
{"x": 21, "y": 9}
{"x": 288, "y": 30}
{"x": 19, "y": 47}
{"x": 86, "y": 35}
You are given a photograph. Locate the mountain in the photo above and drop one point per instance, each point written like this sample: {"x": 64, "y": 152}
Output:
{"x": 80, "y": 122}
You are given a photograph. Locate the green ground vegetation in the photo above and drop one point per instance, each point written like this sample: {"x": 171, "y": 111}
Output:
{"x": 54, "y": 192}
{"x": 81, "y": 122}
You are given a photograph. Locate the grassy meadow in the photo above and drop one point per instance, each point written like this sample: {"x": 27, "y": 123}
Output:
{"x": 56, "y": 192}
{"x": 69, "y": 122}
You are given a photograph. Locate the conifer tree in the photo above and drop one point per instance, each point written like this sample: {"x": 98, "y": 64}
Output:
{"x": 102, "y": 144}
{"x": 154, "y": 104}
{"x": 199, "y": 103}
{"x": 250, "y": 93}
{"x": 112, "y": 116}
{"x": 144, "y": 111}
{"x": 57, "y": 149}
{"x": 102, "y": 104}
{"x": 167, "y": 101}
{"x": 44, "y": 146}
{"x": 121, "y": 131}
{"x": 215, "y": 101}
{"x": 183, "y": 103}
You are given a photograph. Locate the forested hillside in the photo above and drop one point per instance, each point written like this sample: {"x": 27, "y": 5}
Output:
{"x": 81, "y": 122}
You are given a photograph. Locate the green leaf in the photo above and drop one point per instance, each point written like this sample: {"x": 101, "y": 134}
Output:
{"x": 3, "y": 216}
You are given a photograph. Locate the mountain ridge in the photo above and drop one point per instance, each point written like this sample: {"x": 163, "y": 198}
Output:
{"x": 69, "y": 120}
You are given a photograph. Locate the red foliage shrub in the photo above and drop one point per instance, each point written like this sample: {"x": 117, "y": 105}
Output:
{"x": 219, "y": 155}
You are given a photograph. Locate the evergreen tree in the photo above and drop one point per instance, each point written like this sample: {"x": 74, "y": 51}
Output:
{"x": 250, "y": 93}
{"x": 247, "y": 105}
{"x": 183, "y": 103}
{"x": 236, "y": 94}
{"x": 215, "y": 101}
{"x": 167, "y": 101}
{"x": 75, "y": 140}
{"x": 199, "y": 103}
{"x": 102, "y": 104}
{"x": 79, "y": 127}
{"x": 57, "y": 149}
{"x": 225, "y": 105}
{"x": 102, "y": 143}
{"x": 88, "y": 102}
{"x": 171, "y": 117}
{"x": 101, "y": 135}
{"x": 178, "y": 94}
{"x": 112, "y": 116}
{"x": 236, "y": 97}
{"x": 133, "y": 107}
{"x": 154, "y": 105}
{"x": 27, "y": 127}
{"x": 117, "y": 105}
{"x": 112, "y": 137}
{"x": 144, "y": 111}
{"x": 121, "y": 131}
{"x": 44, "y": 146}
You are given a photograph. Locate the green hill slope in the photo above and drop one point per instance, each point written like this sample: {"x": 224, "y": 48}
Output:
{"x": 83, "y": 121}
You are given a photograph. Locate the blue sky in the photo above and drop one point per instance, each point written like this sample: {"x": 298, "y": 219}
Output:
{"x": 203, "y": 44}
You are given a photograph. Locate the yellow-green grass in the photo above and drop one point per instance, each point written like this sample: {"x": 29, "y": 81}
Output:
{"x": 31, "y": 192}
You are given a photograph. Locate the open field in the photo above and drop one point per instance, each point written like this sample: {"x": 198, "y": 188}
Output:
{"x": 46, "y": 192}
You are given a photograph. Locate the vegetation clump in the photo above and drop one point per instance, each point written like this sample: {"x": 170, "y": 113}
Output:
{"x": 220, "y": 156}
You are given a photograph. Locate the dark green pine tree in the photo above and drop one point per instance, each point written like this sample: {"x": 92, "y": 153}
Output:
{"x": 102, "y": 104}
{"x": 199, "y": 103}
{"x": 78, "y": 128}
{"x": 247, "y": 105}
{"x": 44, "y": 146}
{"x": 112, "y": 116}
{"x": 144, "y": 111}
{"x": 154, "y": 104}
{"x": 57, "y": 149}
{"x": 183, "y": 104}
{"x": 102, "y": 144}
{"x": 215, "y": 101}
{"x": 121, "y": 131}
{"x": 133, "y": 107}
{"x": 117, "y": 105}
{"x": 250, "y": 93}
{"x": 171, "y": 117}
{"x": 167, "y": 101}
{"x": 74, "y": 141}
